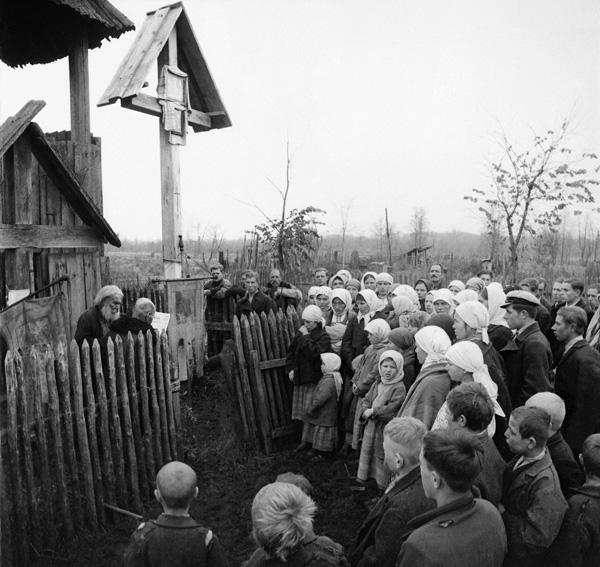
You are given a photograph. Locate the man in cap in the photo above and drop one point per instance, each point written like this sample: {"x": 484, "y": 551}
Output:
{"x": 527, "y": 356}
{"x": 543, "y": 314}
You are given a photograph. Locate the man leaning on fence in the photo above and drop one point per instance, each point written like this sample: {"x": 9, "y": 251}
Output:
{"x": 217, "y": 288}
{"x": 283, "y": 293}
{"x": 96, "y": 321}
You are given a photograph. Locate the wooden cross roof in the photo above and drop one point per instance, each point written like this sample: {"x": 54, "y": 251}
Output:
{"x": 40, "y": 31}
{"x": 208, "y": 110}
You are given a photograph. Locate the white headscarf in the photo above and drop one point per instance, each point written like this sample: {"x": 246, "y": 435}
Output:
{"x": 345, "y": 273}
{"x": 398, "y": 361}
{"x": 401, "y": 303}
{"x": 346, "y": 298}
{"x": 379, "y": 328}
{"x": 477, "y": 283}
{"x": 468, "y": 356}
{"x": 435, "y": 342}
{"x": 313, "y": 313}
{"x": 338, "y": 276}
{"x": 446, "y": 296}
{"x": 465, "y": 295}
{"x": 496, "y": 298}
{"x": 384, "y": 277}
{"x": 331, "y": 365}
{"x": 458, "y": 284}
{"x": 362, "y": 280}
{"x": 313, "y": 291}
{"x": 324, "y": 290}
{"x": 476, "y": 316}
{"x": 404, "y": 290}
{"x": 372, "y": 301}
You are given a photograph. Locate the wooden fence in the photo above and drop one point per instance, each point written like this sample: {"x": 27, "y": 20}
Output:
{"x": 254, "y": 363}
{"x": 85, "y": 436}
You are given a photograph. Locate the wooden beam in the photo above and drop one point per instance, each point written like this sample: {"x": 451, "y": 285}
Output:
{"x": 37, "y": 236}
{"x": 199, "y": 121}
{"x": 13, "y": 127}
{"x": 79, "y": 82}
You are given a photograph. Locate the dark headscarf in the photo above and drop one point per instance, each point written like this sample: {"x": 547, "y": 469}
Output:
{"x": 402, "y": 338}
{"x": 425, "y": 282}
{"x": 445, "y": 322}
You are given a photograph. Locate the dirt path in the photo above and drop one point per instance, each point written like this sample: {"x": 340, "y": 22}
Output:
{"x": 228, "y": 479}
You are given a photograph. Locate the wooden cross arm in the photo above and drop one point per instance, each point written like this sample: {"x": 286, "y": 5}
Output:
{"x": 199, "y": 121}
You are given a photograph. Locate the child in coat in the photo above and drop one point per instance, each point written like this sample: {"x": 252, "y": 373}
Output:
{"x": 379, "y": 406}
{"x": 321, "y": 414}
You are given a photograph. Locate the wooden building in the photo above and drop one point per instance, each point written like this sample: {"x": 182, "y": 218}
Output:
{"x": 49, "y": 226}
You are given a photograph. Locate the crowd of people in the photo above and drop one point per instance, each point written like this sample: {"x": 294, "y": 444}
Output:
{"x": 475, "y": 409}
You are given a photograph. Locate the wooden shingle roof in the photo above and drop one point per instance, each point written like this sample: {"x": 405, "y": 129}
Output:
{"x": 40, "y": 31}
{"x": 137, "y": 64}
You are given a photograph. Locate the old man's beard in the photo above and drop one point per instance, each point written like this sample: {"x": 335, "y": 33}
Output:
{"x": 109, "y": 314}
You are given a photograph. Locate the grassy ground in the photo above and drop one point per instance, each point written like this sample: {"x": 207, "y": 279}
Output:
{"x": 229, "y": 476}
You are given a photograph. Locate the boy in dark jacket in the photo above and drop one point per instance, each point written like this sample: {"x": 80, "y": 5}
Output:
{"x": 533, "y": 506}
{"x": 174, "y": 538}
{"x": 578, "y": 543}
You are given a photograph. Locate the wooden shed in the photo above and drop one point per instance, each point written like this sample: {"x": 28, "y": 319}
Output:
{"x": 50, "y": 226}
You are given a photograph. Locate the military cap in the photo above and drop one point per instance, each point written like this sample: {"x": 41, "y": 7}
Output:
{"x": 521, "y": 297}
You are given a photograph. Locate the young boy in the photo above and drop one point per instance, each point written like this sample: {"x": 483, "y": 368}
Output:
{"x": 563, "y": 460}
{"x": 462, "y": 531}
{"x": 471, "y": 410}
{"x": 578, "y": 543}
{"x": 533, "y": 506}
{"x": 380, "y": 537}
{"x": 174, "y": 538}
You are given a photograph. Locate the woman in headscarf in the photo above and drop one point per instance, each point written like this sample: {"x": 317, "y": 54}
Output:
{"x": 404, "y": 341}
{"x": 383, "y": 284}
{"x": 311, "y": 295}
{"x": 338, "y": 319}
{"x": 465, "y": 364}
{"x": 353, "y": 287}
{"x": 354, "y": 343}
{"x": 493, "y": 297}
{"x": 404, "y": 290}
{"x": 321, "y": 416}
{"x": 303, "y": 361}
{"x": 369, "y": 281}
{"x": 422, "y": 286}
{"x": 429, "y": 391}
{"x": 443, "y": 301}
{"x": 471, "y": 320}
{"x": 282, "y": 526}
{"x": 429, "y": 309}
{"x": 345, "y": 273}
{"x": 465, "y": 295}
{"x": 417, "y": 320}
{"x": 475, "y": 284}
{"x": 444, "y": 322}
{"x": 323, "y": 300}
{"x": 366, "y": 370}
{"x": 379, "y": 406}
{"x": 338, "y": 280}
{"x": 455, "y": 286}
{"x": 402, "y": 308}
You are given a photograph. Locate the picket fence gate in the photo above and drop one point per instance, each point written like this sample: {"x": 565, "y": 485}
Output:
{"x": 87, "y": 430}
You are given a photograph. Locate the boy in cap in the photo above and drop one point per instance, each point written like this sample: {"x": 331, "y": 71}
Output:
{"x": 174, "y": 538}
{"x": 527, "y": 356}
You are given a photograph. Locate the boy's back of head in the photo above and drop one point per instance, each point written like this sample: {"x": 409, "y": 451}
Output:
{"x": 590, "y": 455}
{"x": 533, "y": 422}
{"x": 471, "y": 401}
{"x": 457, "y": 457}
{"x": 408, "y": 433}
{"x": 176, "y": 484}
{"x": 552, "y": 404}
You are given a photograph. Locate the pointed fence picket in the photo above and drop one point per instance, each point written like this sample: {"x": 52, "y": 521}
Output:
{"x": 85, "y": 434}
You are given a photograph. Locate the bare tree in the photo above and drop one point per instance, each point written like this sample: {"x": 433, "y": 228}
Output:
{"x": 531, "y": 188}
{"x": 344, "y": 211}
{"x": 419, "y": 226}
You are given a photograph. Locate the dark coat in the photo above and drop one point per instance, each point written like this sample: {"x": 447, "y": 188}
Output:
{"x": 260, "y": 303}
{"x": 318, "y": 552}
{"x": 323, "y": 408}
{"x": 380, "y": 537}
{"x": 489, "y": 481}
{"x": 355, "y": 340}
{"x": 173, "y": 540}
{"x": 282, "y": 302}
{"x": 218, "y": 289}
{"x": 528, "y": 360}
{"x": 499, "y": 336}
{"x": 543, "y": 318}
{"x": 534, "y": 510}
{"x": 569, "y": 473}
{"x": 578, "y": 542}
{"x": 577, "y": 382}
{"x": 127, "y": 324}
{"x": 89, "y": 326}
{"x": 467, "y": 532}
{"x": 304, "y": 355}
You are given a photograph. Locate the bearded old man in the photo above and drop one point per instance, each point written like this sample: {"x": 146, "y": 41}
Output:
{"x": 95, "y": 322}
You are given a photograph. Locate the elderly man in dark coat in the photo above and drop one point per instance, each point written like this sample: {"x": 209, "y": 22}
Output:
{"x": 527, "y": 356}
{"x": 95, "y": 322}
{"x": 577, "y": 379}
{"x": 141, "y": 318}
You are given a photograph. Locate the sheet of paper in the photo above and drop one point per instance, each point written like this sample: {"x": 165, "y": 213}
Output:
{"x": 161, "y": 321}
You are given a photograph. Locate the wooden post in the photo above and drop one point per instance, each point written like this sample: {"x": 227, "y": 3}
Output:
{"x": 169, "y": 179}
{"x": 79, "y": 80}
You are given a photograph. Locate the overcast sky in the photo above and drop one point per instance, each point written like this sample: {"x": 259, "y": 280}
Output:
{"x": 385, "y": 104}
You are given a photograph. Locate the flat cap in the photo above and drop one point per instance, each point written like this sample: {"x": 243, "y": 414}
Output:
{"x": 521, "y": 297}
